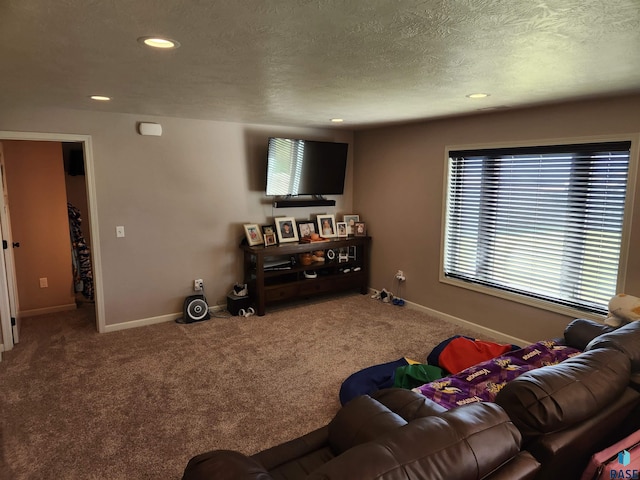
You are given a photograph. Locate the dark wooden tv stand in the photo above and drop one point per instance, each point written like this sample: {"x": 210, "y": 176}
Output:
{"x": 289, "y": 281}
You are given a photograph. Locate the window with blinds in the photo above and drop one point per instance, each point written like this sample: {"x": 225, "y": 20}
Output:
{"x": 543, "y": 222}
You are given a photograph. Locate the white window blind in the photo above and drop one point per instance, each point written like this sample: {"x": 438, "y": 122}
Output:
{"x": 544, "y": 222}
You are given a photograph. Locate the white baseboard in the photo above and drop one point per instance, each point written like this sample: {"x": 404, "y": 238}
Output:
{"x": 502, "y": 337}
{"x": 43, "y": 311}
{"x": 152, "y": 320}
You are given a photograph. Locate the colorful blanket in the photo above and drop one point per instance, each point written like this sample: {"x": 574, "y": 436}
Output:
{"x": 482, "y": 382}
{"x": 463, "y": 352}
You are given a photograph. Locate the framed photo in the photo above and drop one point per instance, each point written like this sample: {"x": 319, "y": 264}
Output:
{"x": 270, "y": 239}
{"x": 326, "y": 225}
{"x": 342, "y": 229}
{"x": 361, "y": 229}
{"x": 253, "y": 233}
{"x": 351, "y": 220}
{"x": 286, "y": 229}
{"x": 305, "y": 229}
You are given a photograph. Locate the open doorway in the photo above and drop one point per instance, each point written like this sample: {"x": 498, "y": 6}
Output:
{"x": 78, "y": 218}
{"x": 84, "y": 196}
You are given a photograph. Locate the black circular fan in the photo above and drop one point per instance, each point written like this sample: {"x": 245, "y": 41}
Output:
{"x": 197, "y": 309}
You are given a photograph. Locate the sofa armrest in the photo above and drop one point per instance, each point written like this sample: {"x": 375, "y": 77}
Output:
{"x": 407, "y": 403}
{"x": 224, "y": 465}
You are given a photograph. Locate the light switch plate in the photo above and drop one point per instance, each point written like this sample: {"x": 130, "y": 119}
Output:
{"x": 120, "y": 231}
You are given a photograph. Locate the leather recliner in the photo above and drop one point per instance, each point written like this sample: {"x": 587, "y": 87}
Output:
{"x": 368, "y": 440}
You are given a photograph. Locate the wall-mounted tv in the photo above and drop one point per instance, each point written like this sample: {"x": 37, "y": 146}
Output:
{"x": 305, "y": 167}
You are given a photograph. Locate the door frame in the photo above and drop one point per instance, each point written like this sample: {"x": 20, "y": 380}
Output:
{"x": 93, "y": 214}
{"x": 7, "y": 262}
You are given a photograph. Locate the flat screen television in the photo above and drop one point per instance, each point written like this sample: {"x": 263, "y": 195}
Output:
{"x": 305, "y": 167}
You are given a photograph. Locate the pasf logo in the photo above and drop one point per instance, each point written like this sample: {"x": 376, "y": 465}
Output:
{"x": 624, "y": 459}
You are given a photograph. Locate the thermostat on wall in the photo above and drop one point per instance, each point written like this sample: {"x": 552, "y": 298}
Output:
{"x": 153, "y": 129}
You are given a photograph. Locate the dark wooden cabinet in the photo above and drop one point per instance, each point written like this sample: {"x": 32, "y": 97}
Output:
{"x": 267, "y": 286}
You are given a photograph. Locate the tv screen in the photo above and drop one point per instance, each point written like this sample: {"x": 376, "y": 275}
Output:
{"x": 305, "y": 167}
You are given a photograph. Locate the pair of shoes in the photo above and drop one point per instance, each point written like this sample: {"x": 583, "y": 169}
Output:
{"x": 398, "y": 301}
{"x": 246, "y": 313}
{"x": 385, "y": 296}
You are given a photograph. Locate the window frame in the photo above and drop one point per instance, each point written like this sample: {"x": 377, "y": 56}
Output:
{"x": 626, "y": 223}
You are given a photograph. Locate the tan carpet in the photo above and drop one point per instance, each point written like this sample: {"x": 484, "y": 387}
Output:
{"x": 138, "y": 403}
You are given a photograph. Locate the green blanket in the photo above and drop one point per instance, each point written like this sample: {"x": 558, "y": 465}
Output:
{"x": 416, "y": 375}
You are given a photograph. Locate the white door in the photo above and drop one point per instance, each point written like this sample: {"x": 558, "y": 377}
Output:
{"x": 8, "y": 287}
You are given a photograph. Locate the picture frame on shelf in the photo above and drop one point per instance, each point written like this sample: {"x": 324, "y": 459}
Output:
{"x": 326, "y": 225}
{"x": 253, "y": 234}
{"x": 360, "y": 229}
{"x": 287, "y": 229}
{"x": 351, "y": 220}
{"x": 270, "y": 239}
{"x": 341, "y": 227}
{"x": 306, "y": 229}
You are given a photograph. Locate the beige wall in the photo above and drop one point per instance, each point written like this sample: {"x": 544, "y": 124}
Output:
{"x": 39, "y": 221}
{"x": 399, "y": 175}
{"x": 181, "y": 197}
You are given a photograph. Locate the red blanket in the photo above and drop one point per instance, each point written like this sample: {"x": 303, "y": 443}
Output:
{"x": 463, "y": 353}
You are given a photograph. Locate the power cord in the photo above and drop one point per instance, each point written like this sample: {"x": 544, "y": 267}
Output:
{"x": 397, "y": 299}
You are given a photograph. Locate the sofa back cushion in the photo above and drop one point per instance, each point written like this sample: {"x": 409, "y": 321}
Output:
{"x": 407, "y": 403}
{"x": 359, "y": 421}
{"x": 625, "y": 339}
{"x": 579, "y": 332}
{"x": 556, "y": 397}
{"x": 465, "y": 443}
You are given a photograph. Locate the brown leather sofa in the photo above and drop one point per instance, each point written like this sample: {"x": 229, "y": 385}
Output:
{"x": 544, "y": 424}
{"x": 368, "y": 440}
{"x": 569, "y": 411}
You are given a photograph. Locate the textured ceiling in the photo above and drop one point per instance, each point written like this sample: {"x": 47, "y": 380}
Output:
{"x": 302, "y": 62}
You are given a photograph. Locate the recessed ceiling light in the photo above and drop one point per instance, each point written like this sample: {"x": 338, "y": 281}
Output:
{"x": 477, "y": 95}
{"x": 159, "y": 42}
{"x": 100, "y": 98}
{"x": 337, "y": 120}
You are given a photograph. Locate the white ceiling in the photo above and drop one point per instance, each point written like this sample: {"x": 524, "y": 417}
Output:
{"x": 302, "y": 62}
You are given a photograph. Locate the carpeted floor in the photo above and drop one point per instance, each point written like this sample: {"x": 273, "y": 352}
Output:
{"x": 138, "y": 403}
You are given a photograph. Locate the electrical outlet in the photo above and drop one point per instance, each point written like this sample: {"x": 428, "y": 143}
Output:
{"x": 400, "y": 276}
{"x": 44, "y": 282}
{"x": 198, "y": 284}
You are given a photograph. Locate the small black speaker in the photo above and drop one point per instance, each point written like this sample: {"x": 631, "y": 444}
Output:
{"x": 195, "y": 309}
